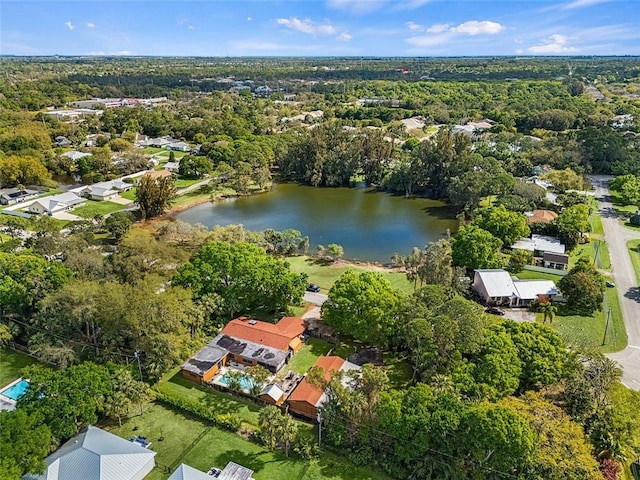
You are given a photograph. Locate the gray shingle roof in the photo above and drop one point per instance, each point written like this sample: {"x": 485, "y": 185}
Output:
{"x": 95, "y": 454}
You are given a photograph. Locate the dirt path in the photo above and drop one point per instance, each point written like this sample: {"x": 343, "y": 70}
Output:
{"x": 617, "y": 236}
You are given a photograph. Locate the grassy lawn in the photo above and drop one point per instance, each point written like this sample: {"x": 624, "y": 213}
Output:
{"x": 190, "y": 441}
{"x": 129, "y": 194}
{"x": 596, "y": 224}
{"x": 176, "y": 385}
{"x": 588, "y": 331}
{"x": 93, "y": 208}
{"x": 326, "y": 275}
{"x": 312, "y": 349}
{"x": 589, "y": 250}
{"x": 626, "y": 403}
{"x": 531, "y": 275}
{"x": 635, "y": 256}
{"x": 195, "y": 196}
{"x": 152, "y": 150}
{"x": 11, "y": 365}
{"x": 622, "y": 207}
{"x": 185, "y": 182}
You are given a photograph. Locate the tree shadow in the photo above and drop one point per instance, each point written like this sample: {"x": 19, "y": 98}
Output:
{"x": 633, "y": 294}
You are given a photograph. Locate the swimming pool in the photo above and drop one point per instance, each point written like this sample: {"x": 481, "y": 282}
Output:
{"x": 246, "y": 381}
{"x": 15, "y": 391}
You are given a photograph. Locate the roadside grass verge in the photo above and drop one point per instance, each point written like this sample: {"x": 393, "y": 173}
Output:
{"x": 326, "y": 275}
{"x": 596, "y": 251}
{"x": 633, "y": 246}
{"x": 596, "y": 224}
{"x": 93, "y": 208}
{"x": 11, "y": 365}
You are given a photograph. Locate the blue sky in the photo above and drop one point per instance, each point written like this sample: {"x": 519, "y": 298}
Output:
{"x": 320, "y": 27}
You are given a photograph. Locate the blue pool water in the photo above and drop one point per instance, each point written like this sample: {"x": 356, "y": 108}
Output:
{"x": 246, "y": 381}
{"x": 15, "y": 391}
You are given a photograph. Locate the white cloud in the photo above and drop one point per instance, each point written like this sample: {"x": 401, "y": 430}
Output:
{"x": 439, "y": 28}
{"x": 69, "y": 25}
{"x": 344, "y": 37}
{"x": 91, "y": 25}
{"x": 249, "y": 19}
{"x": 191, "y": 27}
{"x": 413, "y": 26}
{"x": 582, "y": 3}
{"x": 475, "y": 27}
{"x": 306, "y": 26}
{"x": 430, "y": 40}
{"x": 554, "y": 44}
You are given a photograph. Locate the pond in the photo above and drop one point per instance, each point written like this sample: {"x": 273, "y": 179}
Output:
{"x": 370, "y": 225}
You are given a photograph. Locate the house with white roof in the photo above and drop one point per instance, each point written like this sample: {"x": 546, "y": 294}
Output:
{"x": 103, "y": 190}
{"x": 75, "y": 155}
{"x": 62, "y": 202}
{"x": 232, "y": 471}
{"x": 95, "y": 454}
{"x": 497, "y": 287}
{"x": 178, "y": 147}
{"x": 538, "y": 244}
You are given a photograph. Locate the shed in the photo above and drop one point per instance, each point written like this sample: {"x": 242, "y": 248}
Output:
{"x": 272, "y": 394}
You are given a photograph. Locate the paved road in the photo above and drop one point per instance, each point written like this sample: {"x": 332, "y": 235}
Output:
{"x": 617, "y": 236}
{"x": 315, "y": 298}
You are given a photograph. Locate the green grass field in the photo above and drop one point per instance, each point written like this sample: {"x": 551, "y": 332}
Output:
{"x": 531, "y": 275}
{"x": 633, "y": 246}
{"x": 93, "y": 208}
{"x": 186, "y": 440}
{"x": 176, "y": 385}
{"x": 129, "y": 194}
{"x": 589, "y": 250}
{"x": 11, "y": 365}
{"x": 326, "y": 275}
{"x": 185, "y": 182}
{"x": 626, "y": 402}
{"x": 312, "y": 349}
{"x": 596, "y": 224}
{"x": 622, "y": 207}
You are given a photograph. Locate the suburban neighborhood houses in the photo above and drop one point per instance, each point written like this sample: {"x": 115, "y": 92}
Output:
{"x": 323, "y": 268}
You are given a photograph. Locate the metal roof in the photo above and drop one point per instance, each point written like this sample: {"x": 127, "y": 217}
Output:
{"x": 185, "y": 472}
{"x": 233, "y": 471}
{"x": 530, "y": 289}
{"x": 273, "y": 390}
{"x": 95, "y": 454}
{"x": 497, "y": 283}
{"x": 543, "y": 243}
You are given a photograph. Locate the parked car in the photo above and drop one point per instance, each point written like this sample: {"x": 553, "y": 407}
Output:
{"x": 140, "y": 440}
{"x": 312, "y": 287}
{"x": 609, "y": 284}
{"x": 494, "y": 310}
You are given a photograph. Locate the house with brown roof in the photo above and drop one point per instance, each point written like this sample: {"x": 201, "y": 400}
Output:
{"x": 249, "y": 342}
{"x": 306, "y": 399}
{"x": 541, "y": 216}
{"x": 284, "y": 335}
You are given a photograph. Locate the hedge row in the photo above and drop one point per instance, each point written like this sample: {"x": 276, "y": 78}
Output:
{"x": 223, "y": 420}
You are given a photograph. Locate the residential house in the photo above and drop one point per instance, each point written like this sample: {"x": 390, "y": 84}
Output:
{"x": 9, "y": 196}
{"x": 103, "y": 190}
{"x": 541, "y": 216}
{"x": 497, "y": 287}
{"x": 185, "y": 472}
{"x": 538, "y": 244}
{"x": 306, "y": 399}
{"x": 61, "y": 141}
{"x": 249, "y": 342}
{"x": 160, "y": 142}
{"x": 559, "y": 261}
{"x": 75, "y": 155}
{"x": 172, "y": 166}
{"x": 178, "y": 147}
{"x": 95, "y": 454}
{"x": 157, "y": 174}
{"x": 55, "y": 204}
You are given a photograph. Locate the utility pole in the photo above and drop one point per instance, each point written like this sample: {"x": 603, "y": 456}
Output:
{"x": 135, "y": 354}
{"x": 319, "y": 431}
{"x": 606, "y": 326}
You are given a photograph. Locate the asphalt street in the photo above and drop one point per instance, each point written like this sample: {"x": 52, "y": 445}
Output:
{"x": 617, "y": 235}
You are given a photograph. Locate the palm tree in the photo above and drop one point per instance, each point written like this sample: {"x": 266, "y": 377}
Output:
{"x": 548, "y": 310}
{"x": 287, "y": 431}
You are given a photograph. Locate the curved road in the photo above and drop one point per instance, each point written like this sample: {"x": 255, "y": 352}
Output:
{"x": 617, "y": 236}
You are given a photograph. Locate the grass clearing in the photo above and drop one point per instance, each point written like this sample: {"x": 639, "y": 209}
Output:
{"x": 185, "y": 182}
{"x": 129, "y": 194}
{"x": 634, "y": 253}
{"x": 531, "y": 275}
{"x": 312, "y": 349}
{"x": 93, "y": 208}
{"x": 326, "y": 275}
{"x": 176, "y": 385}
{"x": 11, "y": 365}
{"x": 187, "y": 440}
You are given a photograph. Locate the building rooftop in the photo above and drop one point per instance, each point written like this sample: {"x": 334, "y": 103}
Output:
{"x": 278, "y": 335}
{"x": 185, "y": 472}
{"x": 204, "y": 359}
{"x": 306, "y": 392}
{"x": 252, "y": 351}
{"x": 233, "y": 471}
{"x": 542, "y": 243}
{"x": 498, "y": 283}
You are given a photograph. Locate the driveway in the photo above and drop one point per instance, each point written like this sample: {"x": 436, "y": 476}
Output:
{"x": 520, "y": 315}
{"x": 315, "y": 298}
{"x": 67, "y": 216}
{"x": 617, "y": 236}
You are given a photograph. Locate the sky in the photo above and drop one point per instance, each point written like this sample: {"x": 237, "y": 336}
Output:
{"x": 320, "y": 27}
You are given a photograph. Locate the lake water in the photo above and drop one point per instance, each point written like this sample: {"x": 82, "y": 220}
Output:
{"x": 370, "y": 225}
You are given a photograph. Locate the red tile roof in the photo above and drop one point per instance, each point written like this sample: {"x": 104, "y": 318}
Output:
{"x": 268, "y": 334}
{"x": 305, "y": 392}
{"x": 544, "y": 216}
